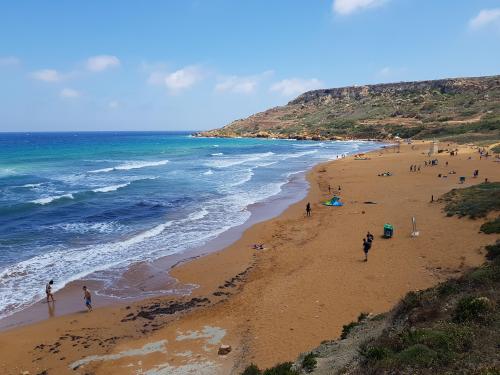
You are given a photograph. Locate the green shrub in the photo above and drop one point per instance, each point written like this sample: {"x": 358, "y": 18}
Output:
{"x": 309, "y": 362}
{"x": 252, "y": 370}
{"x": 447, "y": 288}
{"x": 281, "y": 369}
{"x": 493, "y": 251}
{"x": 445, "y": 340}
{"x": 417, "y": 354}
{"x": 346, "y": 328}
{"x": 492, "y": 226}
{"x": 375, "y": 353}
{"x": 484, "y": 274}
{"x": 471, "y": 309}
{"x": 489, "y": 371}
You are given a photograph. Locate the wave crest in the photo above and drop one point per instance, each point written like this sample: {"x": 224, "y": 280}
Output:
{"x": 131, "y": 165}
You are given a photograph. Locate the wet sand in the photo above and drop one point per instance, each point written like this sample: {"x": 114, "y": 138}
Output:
{"x": 272, "y": 304}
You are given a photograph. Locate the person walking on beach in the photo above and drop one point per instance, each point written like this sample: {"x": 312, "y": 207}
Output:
{"x": 366, "y": 248}
{"x": 308, "y": 209}
{"x": 87, "y": 298}
{"x": 369, "y": 237}
{"x": 48, "y": 291}
{"x": 329, "y": 189}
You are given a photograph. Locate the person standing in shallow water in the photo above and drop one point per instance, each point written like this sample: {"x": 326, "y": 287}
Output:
{"x": 308, "y": 209}
{"x": 48, "y": 291}
{"x": 87, "y": 298}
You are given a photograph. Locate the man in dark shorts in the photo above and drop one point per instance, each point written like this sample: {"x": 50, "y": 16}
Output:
{"x": 366, "y": 248}
{"x": 87, "y": 298}
{"x": 48, "y": 291}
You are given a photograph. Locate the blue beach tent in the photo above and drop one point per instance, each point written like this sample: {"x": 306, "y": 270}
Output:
{"x": 335, "y": 201}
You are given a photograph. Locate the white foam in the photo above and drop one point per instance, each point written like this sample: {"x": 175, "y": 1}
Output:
{"x": 208, "y": 173}
{"x": 217, "y": 154}
{"x": 246, "y": 177}
{"x": 81, "y": 228}
{"x": 131, "y": 165}
{"x": 107, "y": 189}
{"x": 7, "y": 171}
{"x": 31, "y": 185}
{"x": 47, "y": 200}
{"x": 306, "y": 145}
{"x": 298, "y": 154}
{"x": 230, "y": 161}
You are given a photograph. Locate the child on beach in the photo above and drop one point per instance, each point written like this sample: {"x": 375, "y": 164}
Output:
{"x": 48, "y": 291}
{"x": 87, "y": 298}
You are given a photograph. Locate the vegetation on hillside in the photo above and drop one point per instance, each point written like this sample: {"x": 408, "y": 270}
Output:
{"x": 474, "y": 201}
{"x": 464, "y": 109}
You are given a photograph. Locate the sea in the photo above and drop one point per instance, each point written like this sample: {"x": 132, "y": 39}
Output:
{"x": 92, "y": 204}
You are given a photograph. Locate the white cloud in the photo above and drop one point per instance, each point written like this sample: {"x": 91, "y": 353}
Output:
{"x": 67, "y": 93}
{"x": 241, "y": 84}
{"x": 183, "y": 78}
{"x": 47, "y": 75}
{"x": 295, "y": 86}
{"x": 345, "y": 7}
{"x": 179, "y": 80}
{"x": 9, "y": 61}
{"x": 112, "y": 104}
{"x": 484, "y": 18}
{"x": 102, "y": 62}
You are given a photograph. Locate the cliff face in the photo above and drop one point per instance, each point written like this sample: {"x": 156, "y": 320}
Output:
{"x": 439, "y": 108}
{"x": 443, "y": 86}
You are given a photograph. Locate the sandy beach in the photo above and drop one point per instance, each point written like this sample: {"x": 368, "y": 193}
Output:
{"x": 272, "y": 304}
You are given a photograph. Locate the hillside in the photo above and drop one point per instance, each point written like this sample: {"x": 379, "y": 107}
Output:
{"x": 464, "y": 109}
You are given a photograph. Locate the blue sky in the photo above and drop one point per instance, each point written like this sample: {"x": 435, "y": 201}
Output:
{"x": 174, "y": 65}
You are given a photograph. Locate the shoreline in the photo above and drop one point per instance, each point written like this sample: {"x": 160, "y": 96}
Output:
{"x": 283, "y": 282}
{"x": 152, "y": 274}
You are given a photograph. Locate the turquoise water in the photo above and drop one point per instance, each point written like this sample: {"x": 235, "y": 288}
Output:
{"x": 76, "y": 205}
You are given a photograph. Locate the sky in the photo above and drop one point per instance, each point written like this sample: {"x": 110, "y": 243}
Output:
{"x": 111, "y": 65}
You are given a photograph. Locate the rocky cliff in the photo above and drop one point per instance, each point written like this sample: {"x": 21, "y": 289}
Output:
{"x": 464, "y": 108}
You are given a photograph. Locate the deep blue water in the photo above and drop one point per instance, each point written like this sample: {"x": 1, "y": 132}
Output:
{"x": 74, "y": 204}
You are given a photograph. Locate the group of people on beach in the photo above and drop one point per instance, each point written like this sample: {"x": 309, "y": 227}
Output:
{"x": 414, "y": 168}
{"x": 87, "y": 297}
{"x": 483, "y": 153}
{"x": 431, "y": 163}
{"x": 367, "y": 244}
